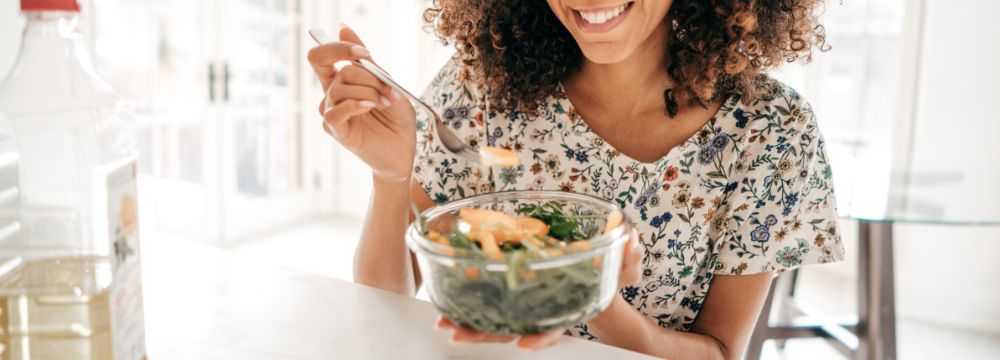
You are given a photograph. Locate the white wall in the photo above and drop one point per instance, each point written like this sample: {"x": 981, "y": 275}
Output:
{"x": 957, "y": 123}
{"x": 949, "y": 274}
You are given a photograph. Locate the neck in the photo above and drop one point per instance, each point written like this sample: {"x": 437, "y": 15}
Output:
{"x": 641, "y": 77}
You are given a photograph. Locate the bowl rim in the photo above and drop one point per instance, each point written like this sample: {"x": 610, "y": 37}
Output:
{"x": 602, "y": 243}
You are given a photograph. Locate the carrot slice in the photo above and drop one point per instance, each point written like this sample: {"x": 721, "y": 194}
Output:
{"x": 580, "y": 245}
{"x": 614, "y": 219}
{"x": 488, "y": 242}
{"x": 441, "y": 239}
{"x": 471, "y": 273}
{"x": 497, "y": 157}
{"x": 555, "y": 252}
{"x": 438, "y": 238}
{"x": 584, "y": 245}
{"x": 531, "y": 227}
{"x": 486, "y": 219}
{"x": 502, "y": 226}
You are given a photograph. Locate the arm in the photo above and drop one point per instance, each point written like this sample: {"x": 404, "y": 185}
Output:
{"x": 721, "y": 331}
{"x": 372, "y": 121}
{"x": 382, "y": 259}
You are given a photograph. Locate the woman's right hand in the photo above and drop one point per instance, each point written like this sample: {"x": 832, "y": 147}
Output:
{"x": 365, "y": 115}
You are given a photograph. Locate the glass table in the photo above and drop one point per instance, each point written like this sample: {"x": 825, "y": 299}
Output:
{"x": 943, "y": 188}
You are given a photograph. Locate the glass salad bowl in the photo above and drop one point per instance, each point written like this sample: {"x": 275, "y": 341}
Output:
{"x": 520, "y": 262}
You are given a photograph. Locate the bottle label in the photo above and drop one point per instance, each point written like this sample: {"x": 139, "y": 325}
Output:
{"x": 127, "y": 326}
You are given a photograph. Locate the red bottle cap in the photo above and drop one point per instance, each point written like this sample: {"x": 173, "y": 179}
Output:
{"x": 50, "y": 5}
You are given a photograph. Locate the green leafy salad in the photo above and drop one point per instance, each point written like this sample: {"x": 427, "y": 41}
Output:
{"x": 478, "y": 292}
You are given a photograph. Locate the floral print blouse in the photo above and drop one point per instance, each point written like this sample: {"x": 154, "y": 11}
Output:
{"x": 750, "y": 192}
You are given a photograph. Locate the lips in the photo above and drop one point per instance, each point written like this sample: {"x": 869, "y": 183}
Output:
{"x": 601, "y": 19}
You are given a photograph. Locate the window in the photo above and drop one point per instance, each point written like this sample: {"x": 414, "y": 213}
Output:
{"x": 855, "y": 90}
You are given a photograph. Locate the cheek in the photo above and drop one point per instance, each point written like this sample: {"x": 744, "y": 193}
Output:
{"x": 556, "y": 7}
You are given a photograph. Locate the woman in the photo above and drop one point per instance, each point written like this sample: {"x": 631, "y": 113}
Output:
{"x": 664, "y": 107}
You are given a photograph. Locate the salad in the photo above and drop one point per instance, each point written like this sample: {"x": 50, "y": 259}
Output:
{"x": 518, "y": 298}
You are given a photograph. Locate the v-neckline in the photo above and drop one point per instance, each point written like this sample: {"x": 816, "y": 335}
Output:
{"x": 563, "y": 98}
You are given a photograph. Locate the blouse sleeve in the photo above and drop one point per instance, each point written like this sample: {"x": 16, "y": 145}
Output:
{"x": 784, "y": 213}
{"x": 442, "y": 175}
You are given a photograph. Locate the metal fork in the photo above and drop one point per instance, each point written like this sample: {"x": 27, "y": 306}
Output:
{"x": 448, "y": 138}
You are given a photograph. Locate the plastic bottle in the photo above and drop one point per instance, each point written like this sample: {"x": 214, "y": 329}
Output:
{"x": 70, "y": 284}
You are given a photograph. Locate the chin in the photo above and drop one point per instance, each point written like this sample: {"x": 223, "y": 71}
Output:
{"x": 606, "y": 53}
{"x": 610, "y": 31}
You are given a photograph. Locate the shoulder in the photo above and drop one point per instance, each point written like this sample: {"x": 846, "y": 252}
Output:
{"x": 783, "y": 208}
{"x": 781, "y": 117}
{"x": 780, "y": 107}
{"x": 777, "y": 137}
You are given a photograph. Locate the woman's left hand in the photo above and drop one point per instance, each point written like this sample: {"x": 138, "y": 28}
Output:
{"x": 630, "y": 273}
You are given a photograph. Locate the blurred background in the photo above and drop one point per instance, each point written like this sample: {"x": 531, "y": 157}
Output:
{"x": 233, "y": 154}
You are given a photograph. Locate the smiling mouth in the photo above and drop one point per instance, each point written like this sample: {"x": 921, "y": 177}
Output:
{"x": 603, "y": 19}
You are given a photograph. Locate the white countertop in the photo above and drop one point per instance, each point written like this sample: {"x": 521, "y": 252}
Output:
{"x": 206, "y": 303}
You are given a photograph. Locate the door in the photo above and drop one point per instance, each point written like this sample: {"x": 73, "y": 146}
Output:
{"x": 217, "y": 90}
{"x": 155, "y": 55}
{"x": 264, "y": 170}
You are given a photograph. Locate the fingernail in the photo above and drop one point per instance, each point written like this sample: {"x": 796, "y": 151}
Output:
{"x": 343, "y": 25}
{"x": 395, "y": 94}
{"x": 327, "y": 104}
{"x": 385, "y": 101}
{"x": 359, "y": 50}
{"x": 367, "y": 104}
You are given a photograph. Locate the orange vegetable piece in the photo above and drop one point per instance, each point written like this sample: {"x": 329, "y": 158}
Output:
{"x": 502, "y": 226}
{"x": 497, "y": 157}
{"x": 441, "y": 239}
{"x": 614, "y": 219}
{"x": 448, "y": 250}
{"x": 488, "y": 242}
{"x": 486, "y": 219}
{"x": 530, "y": 227}
{"x": 584, "y": 245}
{"x": 555, "y": 252}
{"x": 472, "y": 273}
{"x": 527, "y": 274}
{"x": 438, "y": 238}
{"x": 580, "y": 245}
{"x": 533, "y": 242}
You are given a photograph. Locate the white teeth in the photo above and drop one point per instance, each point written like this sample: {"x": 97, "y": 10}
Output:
{"x": 600, "y": 17}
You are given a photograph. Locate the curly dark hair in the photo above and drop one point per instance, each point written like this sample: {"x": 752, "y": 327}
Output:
{"x": 520, "y": 51}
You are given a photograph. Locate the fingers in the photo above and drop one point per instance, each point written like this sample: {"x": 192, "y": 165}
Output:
{"x": 463, "y": 334}
{"x": 631, "y": 269}
{"x": 634, "y": 247}
{"x": 356, "y": 75}
{"x": 443, "y": 323}
{"x": 340, "y": 92}
{"x": 339, "y": 113}
{"x": 354, "y": 92}
{"x": 324, "y": 56}
{"x": 538, "y": 341}
{"x": 348, "y": 34}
